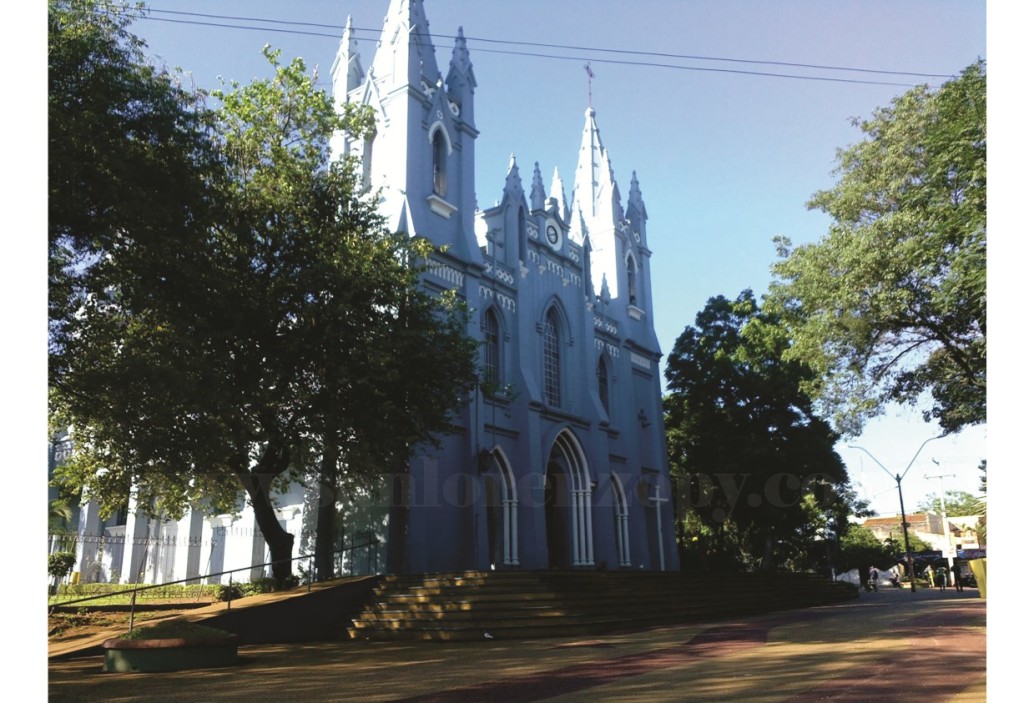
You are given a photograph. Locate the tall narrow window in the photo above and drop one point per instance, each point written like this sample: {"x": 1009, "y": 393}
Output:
{"x": 631, "y": 279}
{"x": 552, "y": 360}
{"x": 521, "y": 231}
{"x": 492, "y": 351}
{"x": 440, "y": 164}
{"x": 602, "y": 383}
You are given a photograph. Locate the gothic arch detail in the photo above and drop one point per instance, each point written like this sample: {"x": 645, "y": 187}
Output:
{"x": 441, "y": 149}
{"x": 572, "y": 500}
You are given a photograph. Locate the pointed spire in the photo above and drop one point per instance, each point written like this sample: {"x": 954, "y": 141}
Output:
{"x": 578, "y": 231}
{"x": 405, "y": 53}
{"x": 461, "y": 80}
{"x": 606, "y": 294}
{"x": 558, "y": 192}
{"x": 460, "y": 56}
{"x": 512, "y": 180}
{"x": 636, "y": 198}
{"x": 346, "y": 71}
{"x": 537, "y": 194}
{"x": 593, "y": 170}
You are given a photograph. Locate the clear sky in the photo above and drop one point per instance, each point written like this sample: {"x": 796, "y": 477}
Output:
{"x": 726, "y": 155}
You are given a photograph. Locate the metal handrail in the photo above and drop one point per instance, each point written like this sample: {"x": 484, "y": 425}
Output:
{"x": 135, "y": 591}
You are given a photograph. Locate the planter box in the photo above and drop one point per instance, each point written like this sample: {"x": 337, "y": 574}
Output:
{"x": 169, "y": 654}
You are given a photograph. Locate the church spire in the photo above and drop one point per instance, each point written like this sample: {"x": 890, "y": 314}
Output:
{"x": 512, "y": 180}
{"x": 461, "y": 80}
{"x": 593, "y": 185}
{"x": 558, "y": 192}
{"x": 636, "y": 200}
{"x": 405, "y": 53}
{"x": 347, "y": 71}
{"x": 537, "y": 194}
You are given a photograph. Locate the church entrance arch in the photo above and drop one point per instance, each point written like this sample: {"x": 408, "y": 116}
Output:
{"x": 502, "y": 512}
{"x": 567, "y": 505}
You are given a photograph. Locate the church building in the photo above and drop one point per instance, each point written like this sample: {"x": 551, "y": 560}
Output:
{"x": 559, "y": 459}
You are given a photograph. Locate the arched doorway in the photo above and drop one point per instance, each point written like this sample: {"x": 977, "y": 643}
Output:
{"x": 502, "y": 512}
{"x": 567, "y": 506}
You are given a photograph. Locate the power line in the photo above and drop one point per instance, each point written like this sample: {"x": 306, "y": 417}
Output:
{"x": 510, "y": 42}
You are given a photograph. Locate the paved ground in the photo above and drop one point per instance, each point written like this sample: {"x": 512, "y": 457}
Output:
{"x": 887, "y": 646}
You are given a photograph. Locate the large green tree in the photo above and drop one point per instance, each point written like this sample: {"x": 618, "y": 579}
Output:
{"x": 891, "y": 304}
{"x": 285, "y": 327}
{"x": 128, "y": 150}
{"x": 752, "y": 462}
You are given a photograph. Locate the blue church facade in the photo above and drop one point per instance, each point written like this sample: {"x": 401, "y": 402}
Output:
{"x": 559, "y": 460}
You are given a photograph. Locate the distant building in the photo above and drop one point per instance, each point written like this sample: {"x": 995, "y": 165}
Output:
{"x": 963, "y": 531}
{"x": 560, "y": 459}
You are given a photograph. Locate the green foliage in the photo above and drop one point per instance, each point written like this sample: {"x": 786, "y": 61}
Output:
{"x": 891, "y": 304}
{"x": 166, "y": 592}
{"x": 124, "y": 143}
{"x": 859, "y": 548}
{"x": 59, "y": 564}
{"x": 226, "y": 347}
{"x": 174, "y": 629}
{"x": 958, "y": 503}
{"x": 59, "y": 517}
{"x": 231, "y": 591}
{"x": 745, "y": 446}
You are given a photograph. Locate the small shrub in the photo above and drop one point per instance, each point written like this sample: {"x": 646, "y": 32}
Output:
{"x": 173, "y": 629}
{"x": 232, "y": 592}
{"x": 256, "y": 586}
{"x": 60, "y": 564}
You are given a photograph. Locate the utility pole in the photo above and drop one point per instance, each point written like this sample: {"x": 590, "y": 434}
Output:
{"x": 903, "y": 513}
{"x": 945, "y": 520}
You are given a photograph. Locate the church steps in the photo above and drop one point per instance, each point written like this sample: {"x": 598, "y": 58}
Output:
{"x": 521, "y": 604}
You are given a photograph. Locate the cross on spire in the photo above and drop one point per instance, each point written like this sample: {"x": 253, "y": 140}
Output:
{"x": 590, "y": 78}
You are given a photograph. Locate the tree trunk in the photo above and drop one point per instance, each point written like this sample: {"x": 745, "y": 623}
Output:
{"x": 257, "y": 484}
{"x": 398, "y": 524}
{"x": 325, "y": 516}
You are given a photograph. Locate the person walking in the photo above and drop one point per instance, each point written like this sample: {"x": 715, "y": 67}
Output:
{"x": 956, "y": 573}
{"x": 929, "y": 572}
{"x": 940, "y": 576}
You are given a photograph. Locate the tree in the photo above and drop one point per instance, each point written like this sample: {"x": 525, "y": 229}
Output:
{"x": 744, "y": 443}
{"x": 285, "y": 326}
{"x": 891, "y": 304}
{"x": 128, "y": 151}
{"x": 958, "y": 503}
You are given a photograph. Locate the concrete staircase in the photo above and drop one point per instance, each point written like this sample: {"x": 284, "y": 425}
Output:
{"x": 529, "y": 604}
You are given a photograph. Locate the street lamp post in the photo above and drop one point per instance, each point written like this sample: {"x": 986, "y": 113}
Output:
{"x": 903, "y": 512}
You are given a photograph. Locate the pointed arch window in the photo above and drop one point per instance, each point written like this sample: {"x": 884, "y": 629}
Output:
{"x": 492, "y": 349}
{"x": 552, "y": 360}
{"x": 631, "y": 279}
{"x": 603, "y": 384}
{"x": 440, "y": 160}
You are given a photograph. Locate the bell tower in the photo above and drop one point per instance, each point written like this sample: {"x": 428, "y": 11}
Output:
{"x": 421, "y": 155}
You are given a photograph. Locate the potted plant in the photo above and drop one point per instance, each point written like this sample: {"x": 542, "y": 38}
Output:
{"x": 170, "y": 646}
